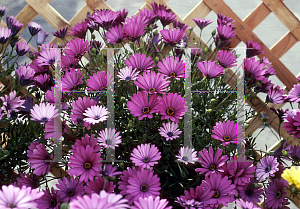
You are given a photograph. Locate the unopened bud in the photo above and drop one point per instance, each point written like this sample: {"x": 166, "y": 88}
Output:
{"x": 93, "y": 36}
{"x": 250, "y": 134}
{"x": 285, "y": 153}
{"x": 209, "y": 110}
{"x": 213, "y": 100}
{"x": 93, "y": 50}
{"x": 155, "y": 32}
{"x": 214, "y": 32}
{"x": 59, "y": 45}
{"x": 156, "y": 59}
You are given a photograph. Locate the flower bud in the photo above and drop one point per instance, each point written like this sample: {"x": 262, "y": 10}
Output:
{"x": 64, "y": 205}
{"x": 205, "y": 50}
{"x": 250, "y": 134}
{"x": 93, "y": 36}
{"x": 213, "y": 100}
{"x": 156, "y": 60}
{"x": 285, "y": 153}
{"x": 214, "y": 32}
{"x": 93, "y": 50}
{"x": 208, "y": 110}
{"x": 155, "y": 32}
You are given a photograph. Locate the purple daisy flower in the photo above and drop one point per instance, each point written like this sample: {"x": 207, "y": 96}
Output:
{"x": 43, "y": 82}
{"x": 11, "y": 103}
{"x": 79, "y": 30}
{"x": 43, "y": 112}
{"x": 292, "y": 124}
{"x": 253, "y": 49}
{"x": 14, "y": 25}
{"x": 224, "y": 20}
{"x": 28, "y": 180}
{"x": 22, "y": 48}
{"x": 109, "y": 170}
{"x": 134, "y": 27}
{"x": 99, "y": 201}
{"x": 149, "y": 14}
{"x": 187, "y": 155}
{"x": 143, "y": 184}
{"x": 98, "y": 81}
{"x": 15, "y": 197}
{"x": 50, "y": 97}
{"x": 169, "y": 131}
{"x": 295, "y": 154}
{"x": 2, "y": 10}
{"x": 87, "y": 140}
{"x": 172, "y": 36}
{"x": 68, "y": 62}
{"x": 50, "y": 200}
{"x": 5, "y": 34}
{"x": 275, "y": 193}
{"x": 60, "y": 33}
{"x": 128, "y": 74}
{"x": 34, "y": 28}
{"x": 226, "y": 59}
{"x": 270, "y": 71}
{"x": 109, "y": 138}
{"x": 31, "y": 147}
{"x": 249, "y": 192}
{"x": 40, "y": 160}
{"x": 70, "y": 189}
{"x": 222, "y": 189}
{"x": 40, "y": 37}
{"x": 140, "y": 62}
{"x": 121, "y": 16}
{"x": 115, "y": 34}
{"x": 245, "y": 204}
{"x": 182, "y": 26}
{"x": 85, "y": 163}
{"x": 267, "y": 166}
{"x": 97, "y": 185}
{"x": 172, "y": 106}
{"x": 156, "y": 7}
{"x": 265, "y": 86}
{"x": 95, "y": 114}
{"x": 145, "y": 155}
{"x": 150, "y": 202}
{"x": 53, "y": 129}
{"x": 124, "y": 183}
{"x": 166, "y": 17}
{"x": 152, "y": 83}
{"x": 294, "y": 94}
{"x": 225, "y": 32}
{"x": 72, "y": 80}
{"x": 141, "y": 106}
{"x": 202, "y": 23}
{"x": 275, "y": 95}
{"x": 210, "y": 69}
{"x": 211, "y": 163}
{"x": 105, "y": 18}
{"x": 254, "y": 69}
{"x": 25, "y": 74}
{"x": 228, "y": 132}
{"x": 172, "y": 68}
{"x": 49, "y": 56}
{"x": 77, "y": 48}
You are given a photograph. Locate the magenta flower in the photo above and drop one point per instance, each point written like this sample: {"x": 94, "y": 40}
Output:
{"x": 253, "y": 49}
{"x": 25, "y": 74}
{"x": 50, "y": 97}
{"x": 40, "y": 160}
{"x": 291, "y": 125}
{"x": 43, "y": 82}
{"x": 226, "y": 59}
{"x": 34, "y": 28}
{"x": 294, "y": 94}
{"x": 210, "y": 69}
{"x": 187, "y": 155}
{"x": 172, "y": 36}
{"x": 254, "y": 69}
{"x": 140, "y": 62}
{"x": 5, "y": 34}
{"x": 50, "y": 200}
{"x": 95, "y": 114}
{"x": 150, "y": 202}
{"x": 72, "y": 80}
{"x": 11, "y": 103}
{"x": 40, "y": 37}
{"x": 2, "y": 10}
{"x": 178, "y": 24}
{"x": 68, "y": 62}
{"x": 145, "y": 155}
{"x": 109, "y": 170}
{"x": 202, "y": 23}
{"x": 77, "y": 48}
{"x": 228, "y": 132}
{"x": 109, "y": 138}
{"x": 295, "y": 153}
{"x": 28, "y": 180}
{"x": 124, "y": 183}
{"x": 115, "y": 34}
{"x": 275, "y": 95}
{"x": 15, "y": 197}
{"x": 85, "y": 163}
{"x": 246, "y": 205}
{"x": 105, "y": 18}
{"x": 70, "y": 189}
{"x": 22, "y": 48}
{"x": 149, "y": 14}
{"x": 224, "y": 20}
{"x": 267, "y": 166}
{"x": 97, "y": 185}
{"x": 87, "y": 140}
{"x": 225, "y": 32}
{"x": 172, "y": 68}
{"x": 31, "y": 147}
{"x": 49, "y": 56}
{"x": 60, "y": 33}
{"x": 134, "y": 27}
{"x": 128, "y": 74}
{"x": 79, "y": 30}
{"x": 211, "y": 163}
{"x": 152, "y": 83}
{"x": 43, "y": 112}
{"x": 53, "y": 129}
{"x": 250, "y": 193}
{"x": 275, "y": 194}
{"x": 171, "y": 107}
{"x": 143, "y": 184}
{"x": 98, "y": 81}
{"x": 169, "y": 131}
{"x": 99, "y": 201}
{"x": 141, "y": 106}
{"x": 166, "y": 17}
{"x": 13, "y": 24}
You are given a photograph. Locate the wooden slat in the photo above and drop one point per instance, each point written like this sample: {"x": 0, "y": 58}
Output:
{"x": 284, "y": 44}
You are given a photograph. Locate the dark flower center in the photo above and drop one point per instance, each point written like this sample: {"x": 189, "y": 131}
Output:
{"x": 71, "y": 192}
{"x": 96, "y": 117}
{"x": 223, "y": 64}
{"x": 209, "y": 76}
{"x": 278, "y": 195}
{"x": 78, "y": 55}
{"x": 212, "y": 167}
{"x": 299, "y": 95}
{"x": 11, "y": 205}
{"x": 109, "y": 142}
{"x": 184, "y": 158}
{"x": 271, "y": 100}
{"x": 51, "y": 61}
{"x": 227, "y": 138}
{"x": 216, "y": 194}
{"x": 87, "y": 165}
{"x": 170, "y": 111}
{"x": 139, "y": 69}
{"x": 170, "y": 134}
{"x": 151, "y": 90}
{"x": 53, "y": 202}
{"x": 267, "y": 169}
{"x": 172, "y": 74}
{"x": 119, "y": 40}
{"x": 249, "y": 192}
{"x": 45, "y": 119}
{"x": 295, "y": 158}
{"x": 146, "y": 110}
{"x": 128, "y": 78}
{"x": 144, "y": 188}
{"x": 146, "y": 159}
{"x": 71, "y": 65}
{"x": 132, "y": 38}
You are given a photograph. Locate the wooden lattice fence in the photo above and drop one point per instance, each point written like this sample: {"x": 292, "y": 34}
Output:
{"x": 244, "y": 30}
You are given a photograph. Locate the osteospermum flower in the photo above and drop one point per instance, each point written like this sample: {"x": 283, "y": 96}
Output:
{"x": 292, "y": 123}
{"x": 97, "y": 185}
{"x": 202, "y": 23}
{"x": 143, "y": 184}
{"x": 275, "y": 193}
{"x": 72, "y": 80}
{"x": 134, "y": 27}
{"x": 224, "y": 20}
{"x": 245, "y": 204}
{"x": 96, "y": 114}
{"x": 210, "y": 69}
{"x": 226, "y": 59}
{"x": 249, "y": 192}
{"x": 87, "y": 140}
{"x": 115, "y": 34}
{"x": 60, "y": 33}
{"x": 13, "y": 24}
{"x": 211, "y": 163}
{"x": 25, "y": 74}
{"x": 22, "y": 48}
{"x": 109, "y": 138}
{"x": 40, "y": 160}
{"x": 187, "y": 155}
{"x": 40, "y": 37}
{"x": 150, "y": 202}
{"x": 128, "y": 74}
{"x": 172, "y": 68}
{"x": 77, "y": 48}
{"x": 34, "y": 28}
{"x": 55, "y": 128}
{"x": 105, "y": 18}
{"x": 140, "y": 62}
{"x": 49, "y": 56}
{"x": 99, "y": 201}
{"x": 2, "y": 10}
{"x": 152, "y": 83}
{"x": 141, "y": 106}
{"x": 253, "y": 49}
{"x": 5, "y": 34}
{"x": 172, "y": 106}
{"x": 275, "y": 95}
{"x": 43, "y": 82}
{"x": 166, "y": 17}
{"x": 98, "y": 81}
{"x": 169, "y": 131}
{"x": 266, "y": 167}
{"x": 79, "y": 30}
{"x": 254, "y": 69}
{"x": 225, "y": 32}
{"x": 43, "y": 112}
{"x": 295, "y": 153}
{"x": 50, "y": 200}
{"x": 149, "y": 14}
{"x": 228, "y": 132}
{"x": 124, "y": 183}
{"x": 294, "y": 94}
{"x": 109, "y": 170}
{"x": 70, "y": 189}
{"x": 172, "y": 36}
{"x": 292, "y": 176}
{"x": 145, "y": 155}
{"x": 15, "y": 197}
{"x": 11, "y": 103}
{"x": 28, "y": 180}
